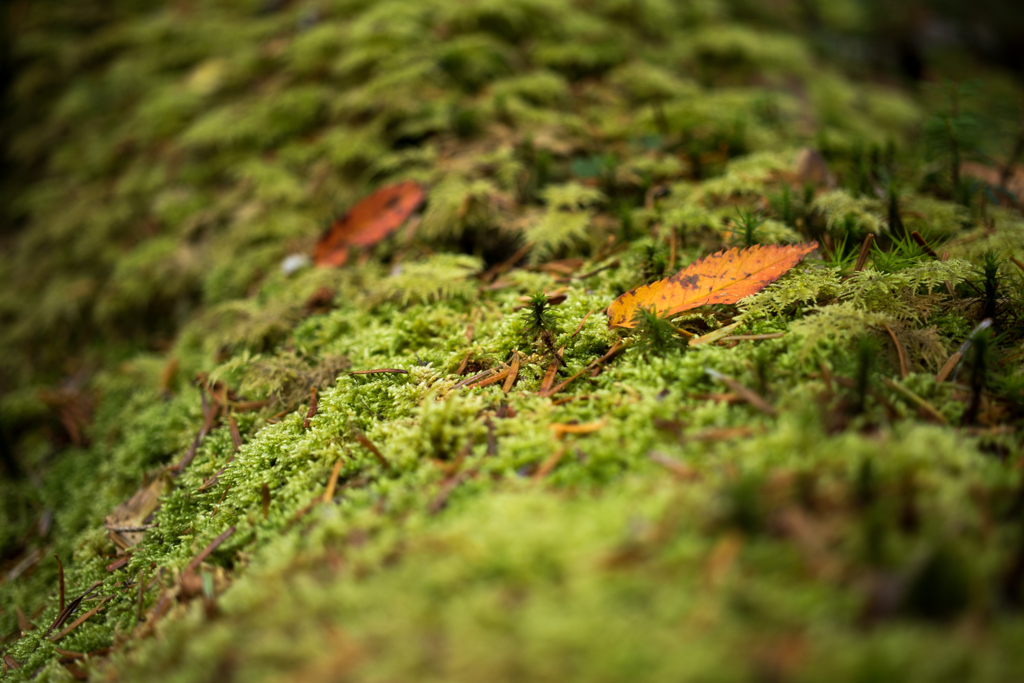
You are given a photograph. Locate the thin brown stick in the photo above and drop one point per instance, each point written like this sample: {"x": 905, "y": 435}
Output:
{"x": 24, "y": 625}
{"x": 672, "y": 248}
{"x": 513, "y": 373}
{"x": 449, "y": 485}
{"x": 140, "y": 596}
{"x": 948, "y": 366}
{"x": 923, "y": 243}
{"x": 899, "y": 351}
{"x": 223, "y": 495}
{"x": 680, "y": 469}
{"x": 549, "y": 377}
{"x": 380, "y": 371}
{"x": 924, "y": 405}
{"x": 465, "y": 361}
{"x": 332, "y": 483}
{"x": 212, "y": 481}
{"x": 369, "y": 445}
{"x": 132, "y": 529}
{"x": 1017, "y": 263}
{"x": 119, "y": 563}
{"x": 580, "y": 326}
{"x": 594, "y": 272}
{"x": 65, "y": 613}
{"x": 79, "y": 621}
{"x": 495, "y": 271}
{"x": 753, "y": 337}
{"x": 236, "y": 436}
{"x": 743, "y": 392}
{"x": 208, "y": 550}
{"x": 493, "y": 379}
{"x": 60, "y": 580}
{"x": 10, "y": 662}
{"x": 477, "y": 376}
{"x": 209, "y": 418}
{"x": 265, "y": 495}
{"x": 559, "y": 430}
{"x": 612, "y": 352}
{"x": 865, "y": 251}
{"x": 550, "y": 463}
{"x": 314, "y": 403}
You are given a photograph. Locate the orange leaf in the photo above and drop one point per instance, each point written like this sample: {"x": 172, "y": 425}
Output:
{"x": 722, "y": 278}
{"x": 368, "y": 222}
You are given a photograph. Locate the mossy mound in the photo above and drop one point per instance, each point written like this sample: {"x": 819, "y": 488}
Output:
{"x": 830, "y": 492}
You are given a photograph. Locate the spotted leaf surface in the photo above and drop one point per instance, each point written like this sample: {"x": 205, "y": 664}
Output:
{"x": 721, "y": 278}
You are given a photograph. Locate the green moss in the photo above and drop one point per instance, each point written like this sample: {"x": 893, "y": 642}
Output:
{"x": 172, "y": 160}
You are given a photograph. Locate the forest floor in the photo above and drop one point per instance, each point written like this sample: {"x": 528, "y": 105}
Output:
{"x": 221, "y": 461}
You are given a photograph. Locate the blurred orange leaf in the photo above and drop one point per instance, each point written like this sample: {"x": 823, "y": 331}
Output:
{"x": 368, "y": 222}
{"x": 722, "y": 278}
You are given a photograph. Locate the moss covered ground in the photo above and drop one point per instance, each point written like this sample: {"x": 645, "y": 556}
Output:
{"x": 829, "y": 490}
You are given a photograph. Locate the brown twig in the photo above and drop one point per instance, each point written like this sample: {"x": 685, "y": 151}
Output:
{"x": 130, "y": 529}
{"x": 60, "y": 580}
{"x": 560, "y": 430}
{"x": 369, "y": 445}
{"x": 69, "y": 609}
{"x": 550, "y": 463}
{"x": 924, "y": 405}
{"x": 265, "y": 495}
{"x": 948, "y": 366}
{"x": 447, "y": 487}
{"x": 513, "y": 373}
{"x": 580, "y": 326}
{"x": 464, "y": 363}
{"x": 549, "y": 377}
{"x": 752, "y": 337}
{"x": 594, "y": 272}
{"x": 495, "y": 271}
{"x": 899, "y": 351}
{"x": 209, "y": 418}
{"x": 865, "y": 250}
{"x": 314, "y": 403}
{"x": 923, "y": 243}
{"x": 1017, "y": 263}
{"x": 139, "y": 598}
{"x": 118, "y": 564}
{"x": 743, "y": 392}
{"x": 78, "y": 622}
{"x": 236, "y": 436}
{"x": 680, "y": 469}
{"x": 493, "y": 379}
{"x": 612, "y": 352}
{"x": 380, "y": 371}
{"x": 332, "y": 483}
{"x": 208, "y": 550}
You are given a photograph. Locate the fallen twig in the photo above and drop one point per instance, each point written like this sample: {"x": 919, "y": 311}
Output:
{"x": 899, "y": 351}
{"x": 314, "y": 403}
{"x": 379, "y": 371}
{"x": 743, "y": 392}
{"x": 79, "y": 621}
{"x": 369, "y": 445}
{"x": 924, "y": 405}
{"x": 332, "y": 483}
{"x": 208, "y": 550}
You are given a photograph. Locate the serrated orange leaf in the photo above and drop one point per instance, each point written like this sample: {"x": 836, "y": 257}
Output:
{"x": 722, "y": 278}
{"x": 368, "y": 222}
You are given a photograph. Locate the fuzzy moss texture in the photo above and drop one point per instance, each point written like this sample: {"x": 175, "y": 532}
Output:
{"x": 866, "y": 527}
